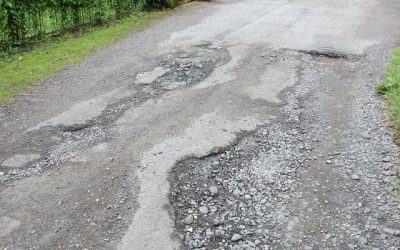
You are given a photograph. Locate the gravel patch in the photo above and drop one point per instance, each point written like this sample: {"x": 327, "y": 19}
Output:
{"x": 315, "y": 177}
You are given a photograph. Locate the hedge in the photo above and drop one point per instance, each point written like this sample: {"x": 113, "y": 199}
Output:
{"x": 25, "y": 20}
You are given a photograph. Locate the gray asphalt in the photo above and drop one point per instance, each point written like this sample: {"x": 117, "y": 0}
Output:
{"x": 86, "y": 155}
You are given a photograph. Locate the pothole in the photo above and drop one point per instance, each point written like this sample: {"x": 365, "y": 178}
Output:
{"x": 328, "y": 53}
{"x": 177, "y": 70}
{"x": 235, "y": 198}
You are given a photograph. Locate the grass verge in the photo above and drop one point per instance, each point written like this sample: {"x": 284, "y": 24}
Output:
{"x": 390, "y": 87}
{"x": 21, "y": 69}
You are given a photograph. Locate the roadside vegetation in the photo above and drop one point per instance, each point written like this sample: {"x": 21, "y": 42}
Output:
{"x": 39, "y": 37}
{"x": 23, "y": 22}
{"x": 22, "y": 68}
{"x": 390, "y": 88}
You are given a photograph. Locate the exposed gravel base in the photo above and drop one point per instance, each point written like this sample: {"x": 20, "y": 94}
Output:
{"x": 314, "y": 178}
{"x": 183, "y": 69}
{"x": 85, "y": 155}
{"x": 96, "y": 212}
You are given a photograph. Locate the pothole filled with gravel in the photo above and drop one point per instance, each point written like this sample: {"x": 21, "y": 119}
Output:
{"x": 228, "y": 200}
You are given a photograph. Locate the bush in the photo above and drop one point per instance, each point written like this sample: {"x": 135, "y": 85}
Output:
{"x": 26, "y": 20}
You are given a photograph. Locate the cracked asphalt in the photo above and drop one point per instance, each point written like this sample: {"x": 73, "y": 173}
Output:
{"x": 226, "y": 125}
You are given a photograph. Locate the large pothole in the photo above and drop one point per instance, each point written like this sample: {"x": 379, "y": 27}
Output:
{"x": 60, "y": 137}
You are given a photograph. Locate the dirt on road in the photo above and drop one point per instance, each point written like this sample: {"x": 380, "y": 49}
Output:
{"x": 227, "y": 125}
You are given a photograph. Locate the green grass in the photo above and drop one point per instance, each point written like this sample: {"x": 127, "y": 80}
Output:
{"x": 391, "y": 89}
{"x": 21, "y": 69}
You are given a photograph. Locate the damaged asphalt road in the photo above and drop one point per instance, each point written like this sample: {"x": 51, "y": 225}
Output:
{"x": 228, "y": 125}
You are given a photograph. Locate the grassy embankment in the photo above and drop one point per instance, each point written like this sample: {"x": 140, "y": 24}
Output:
{"x": 390, "y": 88}
{"x": 24, "y": 68}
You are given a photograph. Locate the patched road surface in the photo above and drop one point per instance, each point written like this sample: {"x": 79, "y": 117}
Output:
{"x": 226, "y": 125}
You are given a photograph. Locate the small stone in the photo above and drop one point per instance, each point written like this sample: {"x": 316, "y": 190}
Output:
{"x": 1, "y": 173}
{"x": 386, "y": 159}
{"x": 214, "y": 190}
{"x": 365, "y": 135}
{"x": 329, "y": 161}
{"x": 236, "y": 237}
{"x": 392, "y": 231}
{"x": 188, "y": 220}
{"x": 209, "y": 232}
{"x": 203, "y": 210}
{"x": 351, "y": 246}
{"x": 217, "y": 222}
{"x": 236, "y": 192}
{"x": 363, "y": 240}
{"x": 355, "y": 177}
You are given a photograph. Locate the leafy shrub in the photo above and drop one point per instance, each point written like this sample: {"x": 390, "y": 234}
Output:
{"x": 26, "y": 20}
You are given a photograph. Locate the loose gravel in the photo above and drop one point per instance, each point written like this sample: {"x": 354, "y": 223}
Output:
{"x": 184, "y": 69}
{"x": 316, "y": 177}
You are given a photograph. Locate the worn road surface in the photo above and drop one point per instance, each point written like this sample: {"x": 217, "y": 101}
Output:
{"x": 231, "y": 124}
